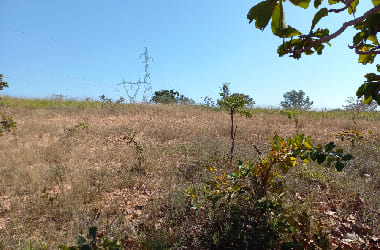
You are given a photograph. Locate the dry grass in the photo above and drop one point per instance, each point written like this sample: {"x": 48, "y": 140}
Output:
{"x": 59, "y": 178}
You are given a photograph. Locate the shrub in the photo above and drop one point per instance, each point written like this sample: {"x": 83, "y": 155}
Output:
{"x": 245, "y": 208}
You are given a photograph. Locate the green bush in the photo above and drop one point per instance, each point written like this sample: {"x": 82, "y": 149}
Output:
{"x": 245, "y": 209}
{"x": 170, "y": 96}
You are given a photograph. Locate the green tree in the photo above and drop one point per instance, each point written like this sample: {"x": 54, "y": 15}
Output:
{"x": 165, "y": 96}
{"x": 296, "y": 100}
{"x": 6, "y": 122}
{"x": 171, "y": 96}
{"x": 365, "y": 42}
{"x": 234, "y": 103}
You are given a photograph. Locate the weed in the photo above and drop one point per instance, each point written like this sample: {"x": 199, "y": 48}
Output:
{"x": 76, "y": 128}
{"x": 130, "y": 137}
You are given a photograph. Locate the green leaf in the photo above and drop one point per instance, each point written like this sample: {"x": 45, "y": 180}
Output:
{"x": 329, "y": 160}
{"x": 373, "y": 39}
{"x": 358, "y": 37}
{"x": 339, "y": 166}
{"x": 318, "y": 16}
{"x": 317, "y": 3}
{"x": 375, "y": 2}
{"x": 352, "y": 8}
{"x": 378, "y": 67}
{"x": 372, "y": 77}
{"x": 290, "y": 31}
{"x": 82, "y": 241}
{"x": 278, "y": 19}
{"x": 347, "y": 157}
{"x": 367, "y": 99}
{"x": 331, "y": 2}
{"x": 321, "y": 158}
{"x": 314, "y": 155}
{"x": 92, "y": 231}
{"x": 321, "y": 33}
{"x": 262, "y": 13}
{"x": 370, "y": 89}
{"x": 330, "y": 146}
{"x": 319, "y": 49}
{"x": 301, "y": 3}
{"x": 279, "y": 26}
{"x": 304, "y": 154}
{"x": 364, "y": 59}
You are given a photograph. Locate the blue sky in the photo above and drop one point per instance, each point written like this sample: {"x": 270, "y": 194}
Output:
{"x": 85, "y": 48}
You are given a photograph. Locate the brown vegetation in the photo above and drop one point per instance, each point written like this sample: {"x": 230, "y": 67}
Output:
{"x": 64, "y": 170}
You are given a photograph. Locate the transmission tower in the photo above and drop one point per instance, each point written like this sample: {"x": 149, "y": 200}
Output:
{"x": 132, "y": 88}
{"x": 147, "y": 82}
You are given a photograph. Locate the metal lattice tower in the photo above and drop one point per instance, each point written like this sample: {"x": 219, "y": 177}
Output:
{"x": 132, "y": 88}
{"x": 147, "y": 81}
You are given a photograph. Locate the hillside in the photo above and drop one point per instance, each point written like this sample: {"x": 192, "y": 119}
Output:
{"x": 124, "y": 168}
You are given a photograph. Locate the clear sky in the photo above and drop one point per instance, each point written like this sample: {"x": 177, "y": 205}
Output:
{"x": 84, "y": 48}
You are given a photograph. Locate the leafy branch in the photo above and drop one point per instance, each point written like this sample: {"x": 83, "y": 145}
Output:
{"x": 6, "y": 122}
{"x": 365, "y": 41}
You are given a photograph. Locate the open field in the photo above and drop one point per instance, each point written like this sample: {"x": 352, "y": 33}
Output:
{"x": 124, "y": 168}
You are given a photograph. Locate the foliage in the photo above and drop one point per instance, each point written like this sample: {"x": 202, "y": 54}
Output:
{"x": 105, "y": 100}
{"x": 295, "y": 43}
{"x": 6, "y": 122}
{"x": 75, "y": 129}
{"x": 208, "y": 102}
{"x": 171, "y": 96}
{"x": 293, "y": 115}
{"x": 234, "y": 103}
{"x": 3, "y": 84}
{"x": 371, "y": 88}
{"x": 296, "y": 100}
{"x": 165, "y": 96}
{"x": 246, "y": 206}
{"x": 354, "y": 136}
{"x": 130, "y": 137}
{"x": 93, "y": 243}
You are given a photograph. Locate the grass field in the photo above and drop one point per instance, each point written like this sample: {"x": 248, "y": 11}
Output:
{"x": 124, "y": 168}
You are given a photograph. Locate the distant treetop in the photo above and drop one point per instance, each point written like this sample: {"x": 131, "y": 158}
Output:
{"x": 296, "y": 100}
